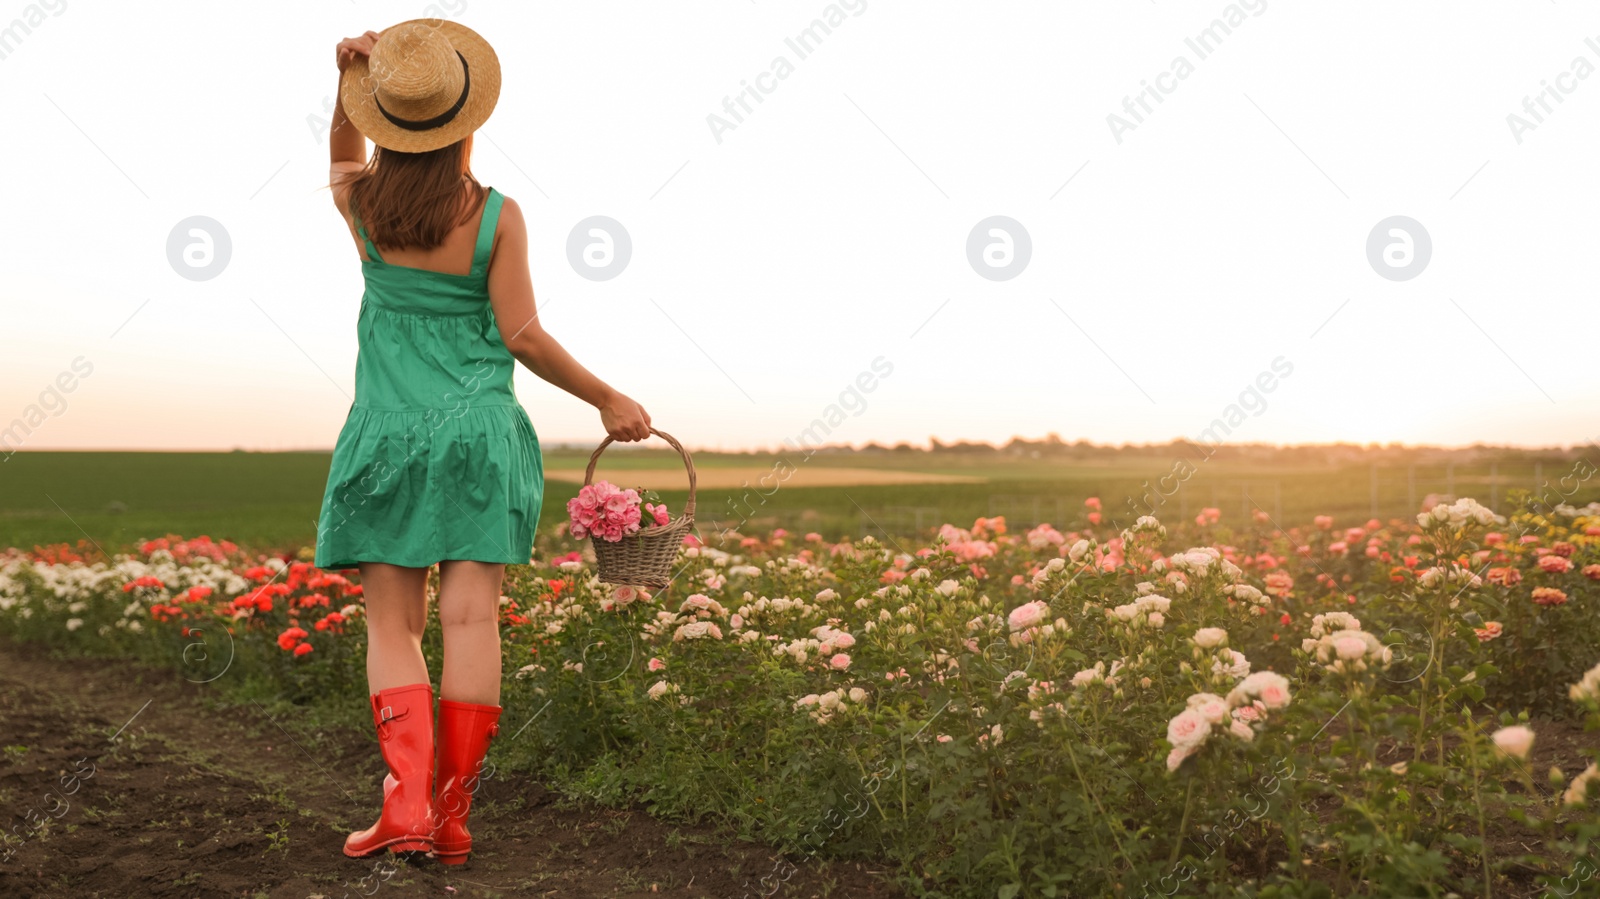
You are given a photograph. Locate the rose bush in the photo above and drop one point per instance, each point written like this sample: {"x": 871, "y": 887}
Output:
{"x": 1070, "y": 710}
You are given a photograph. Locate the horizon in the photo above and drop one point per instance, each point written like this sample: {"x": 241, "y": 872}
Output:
{"x": 944, "y": 446}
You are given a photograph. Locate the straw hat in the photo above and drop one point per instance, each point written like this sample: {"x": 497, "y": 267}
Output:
{"x": 427, "y": 84}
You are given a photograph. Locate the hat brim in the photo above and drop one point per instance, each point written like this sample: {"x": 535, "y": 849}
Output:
{"x": 360, "y": 101}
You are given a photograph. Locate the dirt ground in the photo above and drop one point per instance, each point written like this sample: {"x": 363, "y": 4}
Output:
{"x": 148, "y": 789}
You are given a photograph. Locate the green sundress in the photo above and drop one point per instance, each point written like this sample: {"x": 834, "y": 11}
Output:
{"x": 437, "y": 459}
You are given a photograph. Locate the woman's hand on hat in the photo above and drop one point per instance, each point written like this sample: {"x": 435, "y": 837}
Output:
{"x": 625, "y": 420}
{"x": 351, "y": 47}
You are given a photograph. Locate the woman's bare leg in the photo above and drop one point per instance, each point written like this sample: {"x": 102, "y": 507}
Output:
{"x": 397, "y": 611}
{"x": 469, "y": 612}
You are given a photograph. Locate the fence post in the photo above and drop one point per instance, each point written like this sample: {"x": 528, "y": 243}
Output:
{"x": 1494, "y": 485}
{"x": 1450, "y": 480}
{"x": 1411, "y": 488}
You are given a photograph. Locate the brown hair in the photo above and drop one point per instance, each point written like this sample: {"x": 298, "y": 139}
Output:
{"x": 415, "y": 199}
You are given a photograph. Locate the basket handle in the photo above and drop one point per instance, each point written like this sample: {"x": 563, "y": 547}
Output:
{"x": 688, "y": 463}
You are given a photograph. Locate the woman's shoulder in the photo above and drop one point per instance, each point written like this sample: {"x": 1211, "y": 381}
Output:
{"x": 510, "y": 216}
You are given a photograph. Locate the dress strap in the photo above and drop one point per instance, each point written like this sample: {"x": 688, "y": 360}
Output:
{"x": 372, "y": 251}
{"x": 491, "y": 215}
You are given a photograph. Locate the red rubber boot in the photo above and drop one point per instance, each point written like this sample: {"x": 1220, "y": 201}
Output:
{"x": 404, "y": 718}
{"x": 465, "y": 729}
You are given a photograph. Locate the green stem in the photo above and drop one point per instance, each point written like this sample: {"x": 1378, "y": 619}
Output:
{"x": 1183, "y": 825}
{"x": 1483, "y": 833}
{"x": 1098, "y": 807}
{"x": 905, "y": 814}
{"x": 874, "y": 794}
{"x": 1439, "y": 638}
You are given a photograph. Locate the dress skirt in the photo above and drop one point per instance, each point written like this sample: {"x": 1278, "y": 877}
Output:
{"x": 414, "y": 488}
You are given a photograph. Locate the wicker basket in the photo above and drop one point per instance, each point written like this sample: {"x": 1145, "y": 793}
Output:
{"x": 644, "y": 558}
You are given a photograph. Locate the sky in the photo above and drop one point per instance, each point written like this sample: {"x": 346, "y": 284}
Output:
{"x": 1113, "y": 221}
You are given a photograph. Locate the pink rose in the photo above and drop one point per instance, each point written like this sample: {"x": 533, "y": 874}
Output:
{"x": 1188, "y": 729}
{"x": 1274, "y": 696}
{"x": 1350, "y": 648}
{"x": 1027, "y": 615}
{"x": 840, "y": 661}
{"x": 1554, "y": 564}
{"x": 1513, "y": 741}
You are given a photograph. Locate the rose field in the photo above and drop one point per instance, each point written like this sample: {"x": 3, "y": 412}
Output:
{"x": 1225, "y": 705}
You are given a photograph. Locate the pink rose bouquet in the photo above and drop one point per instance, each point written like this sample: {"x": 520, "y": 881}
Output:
{"x": 606, "y": 511}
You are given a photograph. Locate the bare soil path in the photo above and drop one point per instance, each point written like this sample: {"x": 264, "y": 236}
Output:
{"x": 149, "y": 787}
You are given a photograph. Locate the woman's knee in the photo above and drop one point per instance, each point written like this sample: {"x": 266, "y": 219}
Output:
{"x": 469, "y": 594}
{"x": 401, "y": 626}
{"x": 458, "y": 611}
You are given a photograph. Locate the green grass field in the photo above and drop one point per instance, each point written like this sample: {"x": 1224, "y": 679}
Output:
{"x": 271, "y": 500}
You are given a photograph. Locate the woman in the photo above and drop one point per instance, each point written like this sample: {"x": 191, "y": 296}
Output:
{"x": 437, "y": 462}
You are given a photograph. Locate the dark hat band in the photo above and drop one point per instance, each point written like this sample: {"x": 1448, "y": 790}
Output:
{"x": 442, "y": 118}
